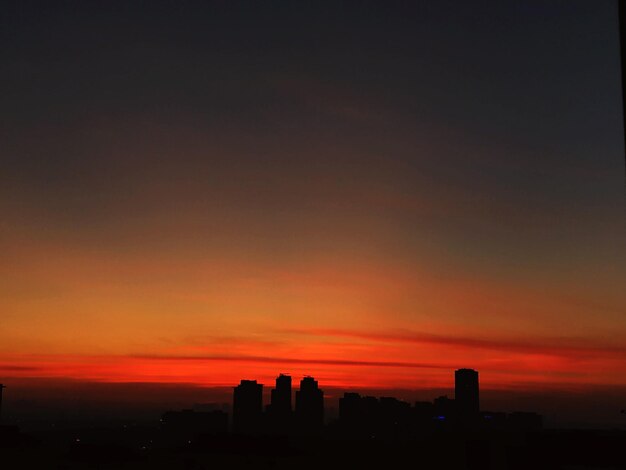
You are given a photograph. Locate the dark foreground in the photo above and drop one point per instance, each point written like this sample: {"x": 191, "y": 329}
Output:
{"x": 135, "y": 447}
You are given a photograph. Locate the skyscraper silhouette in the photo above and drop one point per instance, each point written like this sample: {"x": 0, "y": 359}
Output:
{"x": 466, "y": 394}
{"x": 310, "y": 406}
{"x": 279, "y": 410}
{"x": 247, "y": 407}
{"x": 281, "y": 396}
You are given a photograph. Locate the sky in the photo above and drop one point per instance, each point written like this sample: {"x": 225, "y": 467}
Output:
{"x": 373, "y": 193}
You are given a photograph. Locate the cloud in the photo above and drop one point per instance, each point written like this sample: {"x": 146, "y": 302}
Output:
{"x": 292, "y": 360}
{"x": 549, "y": 346}
{"x": 13, "y": 368}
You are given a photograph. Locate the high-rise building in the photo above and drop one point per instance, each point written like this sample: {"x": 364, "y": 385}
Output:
{"x": 279, "y": 415}
{"x": 280, "y": 403}
{"x": 310, "y": 405}
{"x": 466, "y": 394}
{"x": 247, "y": 407}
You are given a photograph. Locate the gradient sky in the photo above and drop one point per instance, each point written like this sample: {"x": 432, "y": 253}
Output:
{"x": 375, "y": 193}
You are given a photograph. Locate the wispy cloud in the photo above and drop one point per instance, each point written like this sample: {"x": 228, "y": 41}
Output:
{"x": 551, "y": 346}
{"x": 292, "y": 360}
{"x": 14, "y": 368}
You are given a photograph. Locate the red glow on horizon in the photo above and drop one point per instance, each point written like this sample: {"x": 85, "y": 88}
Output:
{"x": 366, "y": 360}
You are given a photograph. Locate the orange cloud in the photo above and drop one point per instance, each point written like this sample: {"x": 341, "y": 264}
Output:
{"x": 547, "y": 346}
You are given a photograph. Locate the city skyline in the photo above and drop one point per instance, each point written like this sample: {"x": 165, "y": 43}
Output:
{"x": 359, "y": 415}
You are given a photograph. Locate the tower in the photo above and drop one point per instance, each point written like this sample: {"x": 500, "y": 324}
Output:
{"x": 279, "y": 416}
{"x": 466, "y": 394}
{"x": 310, "y": 405}
{"x": 281, "y": 396}
{"x": 247, "y": 407}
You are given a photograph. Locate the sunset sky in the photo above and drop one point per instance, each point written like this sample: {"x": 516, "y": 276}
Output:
{"x": 373, "y": 193}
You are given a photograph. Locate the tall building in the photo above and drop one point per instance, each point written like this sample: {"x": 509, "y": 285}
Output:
{"x": 466, "y": 394}
{"x": 279, "y": 415}
{"x": 247, "y": 407}
{"x": 280, "y": 402}
{"x": 310, "y": 405}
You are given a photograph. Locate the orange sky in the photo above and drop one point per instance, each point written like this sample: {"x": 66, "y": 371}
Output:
{"x": 352, "y": 321}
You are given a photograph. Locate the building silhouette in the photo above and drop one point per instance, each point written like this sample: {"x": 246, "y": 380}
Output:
{"x": 371, "y": 417}
{"x": 360, "y": 417}
{"x": 394, "y": 417}
{"x": 444, "y": 408}
{"x": 310, "y": 406}
{"x": 358, "y": 414}
{"x": 247, "y": 407}
{"x": 280, "y": 402}
{"x": 279, "y": 412}
{"x": 350, "y": 408}
{"x": 466, "y": 395}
